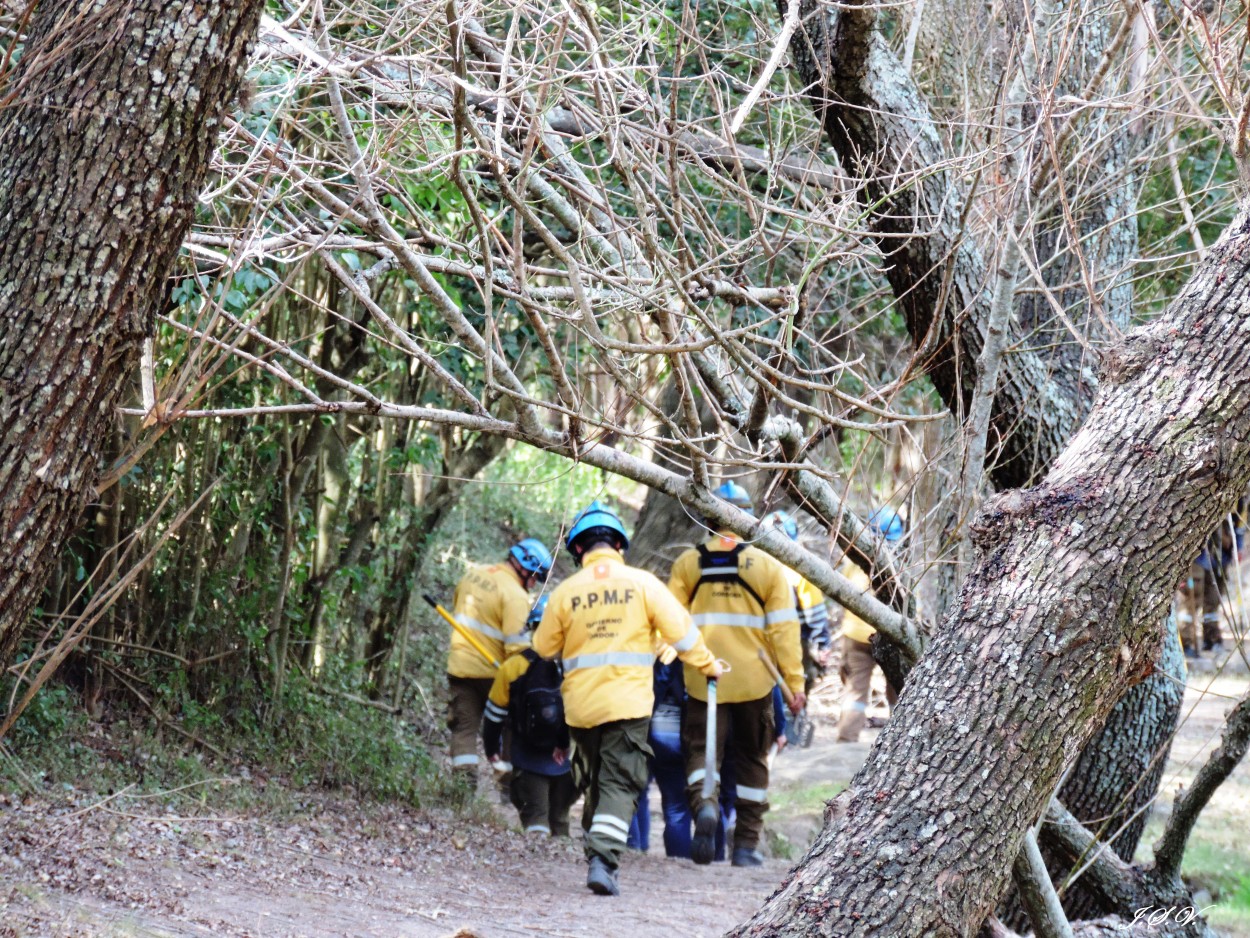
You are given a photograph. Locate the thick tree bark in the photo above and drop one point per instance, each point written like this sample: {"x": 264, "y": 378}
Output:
{"x": 877, "y": 122}
{"x": 105, "y": 140}
{"x": 1062, "y": 611}
{"x": 884, "y": 133}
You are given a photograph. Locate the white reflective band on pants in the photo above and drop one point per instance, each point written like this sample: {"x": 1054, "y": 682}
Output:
{"x": 538, "y": 829}
{"x": 1185, "y": 617}
{"x": 620, "y": 659}
{"x": 699, "y": 775}
{"x": 610, "y": 826}
{"x": 738, "y": 619}
{"x": 470, "y": 759}
{"x": 859, "y": 705}
{"x": 747, "y": 793}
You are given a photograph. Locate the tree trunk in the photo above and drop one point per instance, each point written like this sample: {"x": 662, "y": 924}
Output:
{"x": 105, "y": 138}
{"x": 874, "y": 117}
{"x": 1062, "y": 612}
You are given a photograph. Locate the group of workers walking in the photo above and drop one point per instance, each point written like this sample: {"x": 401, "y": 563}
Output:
{"x": 594, "y": 701}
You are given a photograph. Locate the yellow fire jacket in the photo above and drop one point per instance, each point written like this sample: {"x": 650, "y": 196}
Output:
{"x": 736, "y": 624}
{"x": 491, "y": 603}
{"x": 853, "y": 627}
{"x": 809, "y": 603}
{"x": 600, "y": 621}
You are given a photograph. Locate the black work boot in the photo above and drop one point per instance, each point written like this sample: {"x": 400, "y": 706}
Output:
{"x": 600, "y": 879}
{"x": 747, "y": 856}
{"x": 703, "y": 847}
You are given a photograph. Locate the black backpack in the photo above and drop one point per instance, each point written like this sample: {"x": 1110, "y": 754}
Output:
{"x": 721, "y": 566}
{"x": 537, "y": 707}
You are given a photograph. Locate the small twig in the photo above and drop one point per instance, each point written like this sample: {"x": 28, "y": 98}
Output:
{"x": 99, "y": 804}
{"x": 363, "y": 701}
{"x": 1037, "y": 892}
{"x": 788, "y": 27}
{"x": 1170, "y": 848}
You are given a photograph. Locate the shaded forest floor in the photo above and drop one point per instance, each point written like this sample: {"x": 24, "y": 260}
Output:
{"x": 189, "y": 864}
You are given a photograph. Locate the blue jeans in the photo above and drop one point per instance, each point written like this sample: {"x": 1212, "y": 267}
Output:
{"x": 668, "y": 768}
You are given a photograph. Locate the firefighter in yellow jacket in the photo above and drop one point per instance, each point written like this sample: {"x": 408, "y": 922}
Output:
{"x": 815, "y": 633}
{"x": 493, "y": 603}
{"x": 857, "y": 661}
{"x": 603, "y": 621}
{"x": 742, "y": 603}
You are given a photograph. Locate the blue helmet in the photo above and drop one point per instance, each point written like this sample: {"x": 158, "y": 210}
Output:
{"x": 736, "y": 495}
{"x": 785, "y": 521}
{"x": 596, "y": 518}
{"x": 532, "y": 556}
{"x": 887, "y": 523}
{"x": 536, "y": 614}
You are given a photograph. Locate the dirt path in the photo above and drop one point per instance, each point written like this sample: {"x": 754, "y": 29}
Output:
{"x": 76, "y": 865}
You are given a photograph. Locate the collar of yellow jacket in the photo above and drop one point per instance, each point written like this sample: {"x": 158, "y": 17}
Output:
{"x": 601, "y": 553}
{"x": 508, "y": 568}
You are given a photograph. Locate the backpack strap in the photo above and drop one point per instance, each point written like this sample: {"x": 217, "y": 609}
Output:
{"x": 721, "y": 566}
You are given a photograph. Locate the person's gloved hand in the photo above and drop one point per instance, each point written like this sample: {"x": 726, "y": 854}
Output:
{"x": 713, "y": 670}
{"x": 798, "y": 702}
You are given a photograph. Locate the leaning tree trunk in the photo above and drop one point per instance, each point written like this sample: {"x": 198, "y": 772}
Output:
{"x": 876, "y": 118}
{"x": 110, "y": 120}
{"x": 1061, "y": 612}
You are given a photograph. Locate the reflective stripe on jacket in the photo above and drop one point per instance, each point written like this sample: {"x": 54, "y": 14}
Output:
{"x": 809, "y": 603}
{"x": 736, "y": 628}
{"x": 853, "y": 627}
{"x": 493, "y": 605}
{"x": 600, "y": 621}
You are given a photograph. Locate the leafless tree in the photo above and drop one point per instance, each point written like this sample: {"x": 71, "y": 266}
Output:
{"x": 683, "y": 244}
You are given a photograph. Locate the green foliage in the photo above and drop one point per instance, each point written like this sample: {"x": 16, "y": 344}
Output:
{"x": 328, "y": 742}
{"x": 52, "y": 714}
{"x": 536, "y": 493}
{"x": 320, "y": 741}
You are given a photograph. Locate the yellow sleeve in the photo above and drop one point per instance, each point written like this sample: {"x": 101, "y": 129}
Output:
{"x": 680, "y": 582}
{"x": 671, "y": 619}
{"x": 782, "y": 623}
{"x": 809, "y": 596}
{"x": 853, "y": 627}
{"x": 548, "y": 638}
{"x": 514, "y": 610}
{"x": 501, "y": 689}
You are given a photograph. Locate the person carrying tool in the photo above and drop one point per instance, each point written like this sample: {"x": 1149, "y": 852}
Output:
{"x": 1201, "y": 590}
{"x": 809, "y": 603}
{"x": 857, "y": 660}
{"x": 668, "y": 766}
{"x": 741, "y": 603}
{"x": 601, "y": 621}
{"x": 491, "y": 606}
{"x": 526, "y": 696}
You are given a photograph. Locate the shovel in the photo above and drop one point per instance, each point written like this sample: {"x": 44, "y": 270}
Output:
{"x": 709, "y": 761}
{"x": 804, "y": 729}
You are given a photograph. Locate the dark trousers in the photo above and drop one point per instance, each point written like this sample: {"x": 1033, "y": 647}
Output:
{"x": 747, "y": 727}
{"x": 1200, "y": 597}
{"x": 464, "y": 719}
{"x": 543, "y": 801}
{"x": 668, "y": 769}
{"x": 610, "y": 764}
